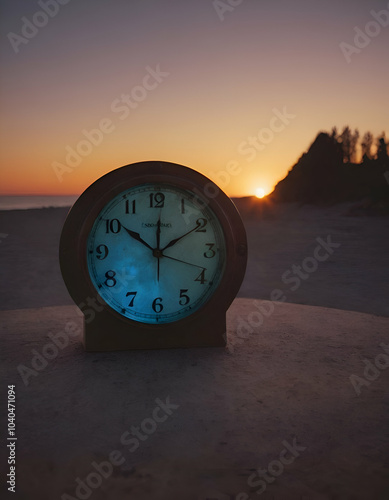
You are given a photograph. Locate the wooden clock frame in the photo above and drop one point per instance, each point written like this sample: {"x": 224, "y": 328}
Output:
{"x": 206, "y": 327}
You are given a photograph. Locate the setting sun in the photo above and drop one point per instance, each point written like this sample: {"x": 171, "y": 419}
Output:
{"x": 259, "y": 192}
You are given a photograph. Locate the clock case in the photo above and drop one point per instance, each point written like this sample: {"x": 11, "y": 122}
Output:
{"x": 107, "y": 330}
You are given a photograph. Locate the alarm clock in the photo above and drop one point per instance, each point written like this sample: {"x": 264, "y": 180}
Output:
{"x": 160, "y": 252}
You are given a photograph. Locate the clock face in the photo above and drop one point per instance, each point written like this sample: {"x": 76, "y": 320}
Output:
{"x": 156, "y": 253}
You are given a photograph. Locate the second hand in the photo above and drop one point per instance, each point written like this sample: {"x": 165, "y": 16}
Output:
{"x": 183, "y": 261}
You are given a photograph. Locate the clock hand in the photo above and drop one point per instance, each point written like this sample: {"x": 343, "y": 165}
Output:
{"x": 137, "y": 237}
{"x": 173, "y": 242}
{"x": 183, "y": 261}
{"x": 159, "y": 232}
{"x": 158, "y": 243}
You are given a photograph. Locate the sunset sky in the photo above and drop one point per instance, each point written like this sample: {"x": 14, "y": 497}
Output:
{"x": 202, "y": 81}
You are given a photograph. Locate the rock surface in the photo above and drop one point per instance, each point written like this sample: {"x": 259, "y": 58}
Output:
{"x": 286, "y": 383}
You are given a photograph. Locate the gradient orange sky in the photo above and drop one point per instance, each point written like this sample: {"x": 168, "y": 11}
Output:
{"x": 223, "y": 80}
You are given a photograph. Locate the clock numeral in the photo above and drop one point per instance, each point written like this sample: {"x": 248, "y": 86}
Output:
{"x": 157, "y": 306}
{"x": 110, "y": 281}
{"x": 102, "y": 252}
{"x": 112, "y": 226}
{"x": 201, "y": 223}
{"x": 133, "y": 294}
{"x": 132, "y": 209}
{"x": 182, "y": 206}
{"x": 184, "y": 299}
{"x": 201, "y": 277}
{"x": 157, "y": 200}
{"x": 210, "y": 252}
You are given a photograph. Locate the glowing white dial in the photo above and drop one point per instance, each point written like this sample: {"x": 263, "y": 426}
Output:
{"x": 156, "y": 253}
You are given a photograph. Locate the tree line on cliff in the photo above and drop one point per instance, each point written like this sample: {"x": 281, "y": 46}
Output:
{"x": 339, "y": 167}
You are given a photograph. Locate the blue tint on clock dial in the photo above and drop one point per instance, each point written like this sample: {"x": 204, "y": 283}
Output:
{"x": 156, "y": 253}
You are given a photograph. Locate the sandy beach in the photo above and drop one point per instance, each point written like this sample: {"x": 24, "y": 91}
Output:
{"x": 352, "y": 278}
{"x": 283, "y": 384}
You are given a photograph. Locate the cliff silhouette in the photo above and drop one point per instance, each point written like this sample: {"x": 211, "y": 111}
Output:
{"x": 327, "y": 173}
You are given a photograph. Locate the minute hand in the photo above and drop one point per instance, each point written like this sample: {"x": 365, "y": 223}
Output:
{"x": 173, "y": 242}
{"x": 137, "y": 237}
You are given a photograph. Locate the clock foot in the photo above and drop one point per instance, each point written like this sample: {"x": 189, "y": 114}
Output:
{"x": 113, "y": 334}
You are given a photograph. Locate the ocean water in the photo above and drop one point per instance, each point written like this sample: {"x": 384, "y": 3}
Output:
{"x": 27, "y": 202}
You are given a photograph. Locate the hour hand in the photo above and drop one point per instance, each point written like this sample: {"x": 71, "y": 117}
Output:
{"x": 137, "y": 237}
{"x": 173, "y": 242}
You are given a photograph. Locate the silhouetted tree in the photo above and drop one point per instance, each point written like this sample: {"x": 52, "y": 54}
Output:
{"x": 349, "y": 141}
{"x": 353, "y": 145}
{"x": 382, "y": 149}
{"x": 346, "y": 141}
{"x": 334, "y": 134}
{"x": 367, "y": 143}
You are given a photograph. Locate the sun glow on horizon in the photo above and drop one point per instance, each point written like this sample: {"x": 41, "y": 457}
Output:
{"x": 259, "y": 192}
{"x": 60, "y": 134}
